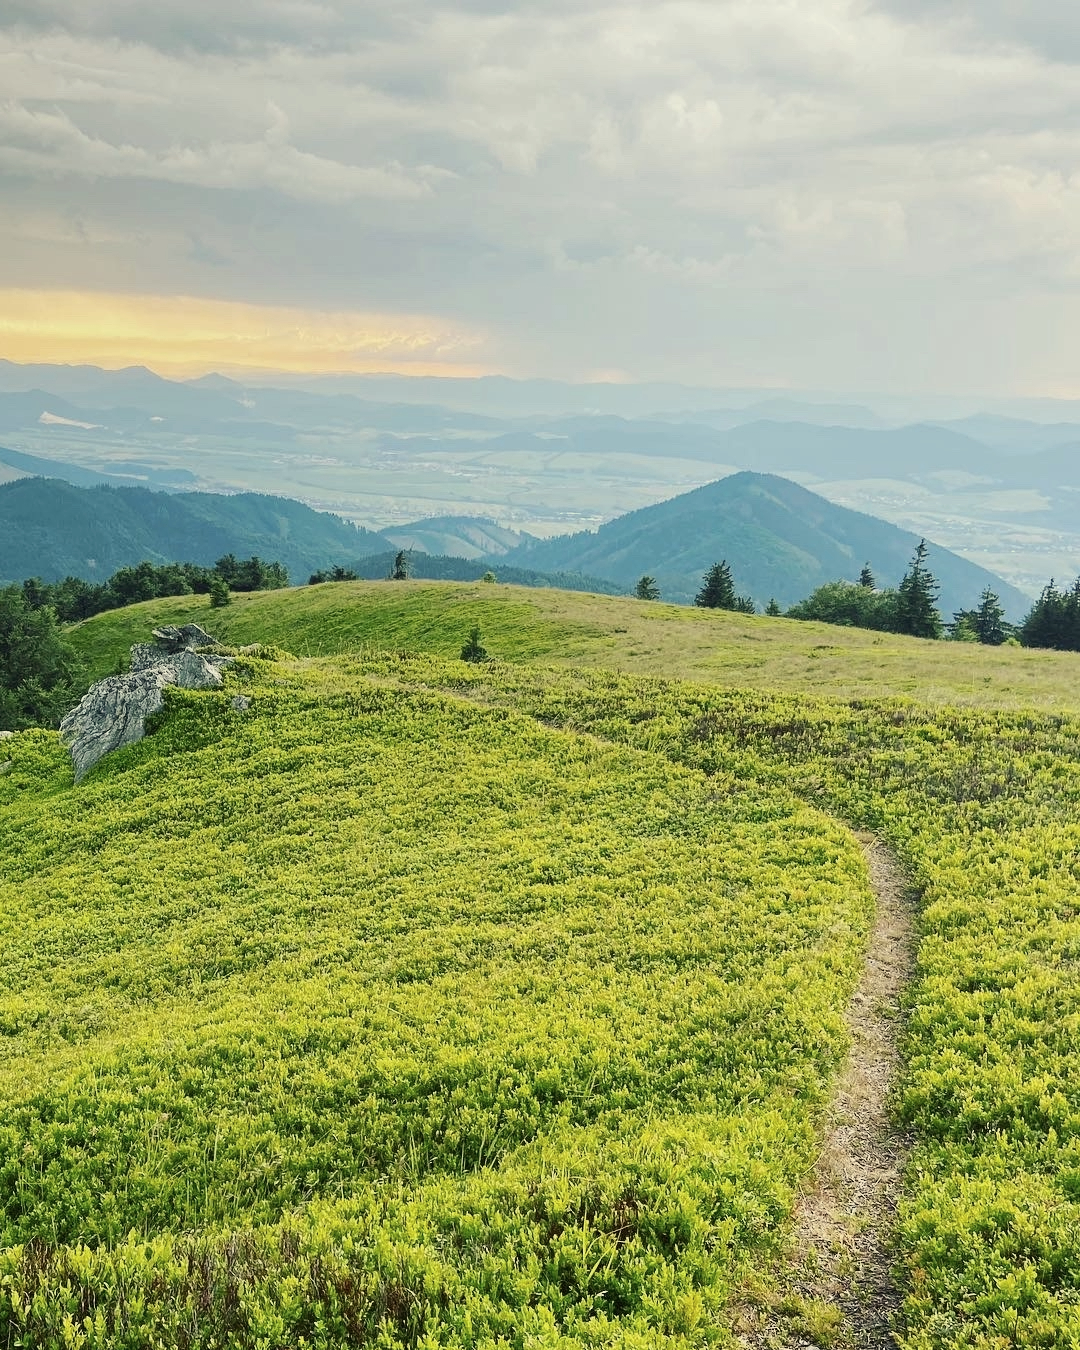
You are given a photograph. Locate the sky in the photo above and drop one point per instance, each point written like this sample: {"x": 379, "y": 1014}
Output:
{"x": 802, "y": 194}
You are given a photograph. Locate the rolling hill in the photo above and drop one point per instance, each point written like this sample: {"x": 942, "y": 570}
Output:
{"x": 781, "y": 540}
{"x": 52, "y": 529}
{"x": 379, "y": 998}
{"x": 456, "y": 536}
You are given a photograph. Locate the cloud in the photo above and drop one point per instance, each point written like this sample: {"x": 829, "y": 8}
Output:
{"x": 677, "y": 187}
{"x": 203, "y": 25}
{"x": 187, "y": 334}
{"x": 1047, "y": 27}
{"x": 38, "y": 141}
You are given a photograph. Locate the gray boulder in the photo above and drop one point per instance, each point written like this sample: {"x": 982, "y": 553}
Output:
{"x": 113, "y": 712}
{"x": 195, "y": 671}
{"x": 190, "y": 636}
{"x": 146, "y": 655}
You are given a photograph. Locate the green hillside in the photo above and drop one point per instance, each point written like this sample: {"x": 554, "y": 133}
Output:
{"x": 426, "y": 1004}
{"x": 374, "y": 1014}
{"x": 781, "y": 541}
{"x": 51, "y": 529}
{"x": 570, "y": 629}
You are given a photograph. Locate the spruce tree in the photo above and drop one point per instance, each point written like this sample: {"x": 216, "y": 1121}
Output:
{"x": 219, "y": 592}
{"x": 400, "y": 570}
{"x": 717, "y": 588}
{"x": 473, "y": 650}
{"x": 989, "y": 620}
{"x": 1045, "y": 622}
{"x": 917, "y": 612}
{"x": 41, "y": 674}
{"x": 866, "y": 577}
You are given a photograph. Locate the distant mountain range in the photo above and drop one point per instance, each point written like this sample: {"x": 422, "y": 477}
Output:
{"x": 52, "y": 529}
{"x": 781, "y": 541}
{"x": 148, "y": 475}
{"x": 540, "y": 456}
{"x": 774, "y": 436}
{"x": 456, "y": 536}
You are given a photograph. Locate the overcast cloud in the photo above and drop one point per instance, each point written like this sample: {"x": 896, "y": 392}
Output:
{"x": 801, "y": 192}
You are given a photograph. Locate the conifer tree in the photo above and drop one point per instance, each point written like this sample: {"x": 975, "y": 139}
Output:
{"x": 647, "y": 589}
{"x": 866, "y": 577}
{"x": 40, "y": 673}
{"x": 1054, "y": 619}
{"x": 989, "y": 620}
{"x": 916, "y": 610}
{"x": 219, "y": 592}
{"x": 717, "y": 588}
{"x": 473, "y": 650}
{"x": 772, "y": 608}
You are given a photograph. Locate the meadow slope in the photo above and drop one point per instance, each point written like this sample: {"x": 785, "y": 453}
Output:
{"x": 376, "y": 1016}
{"x": 445, "y": 1004}
{"x": 596, "y": 631}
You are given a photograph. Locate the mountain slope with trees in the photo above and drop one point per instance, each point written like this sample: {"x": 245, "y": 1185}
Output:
{"x": 50, "y": 529}
{"x": 780, "y": 540}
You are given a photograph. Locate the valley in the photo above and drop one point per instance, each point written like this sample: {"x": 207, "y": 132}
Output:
{"x": 551, "y": 460}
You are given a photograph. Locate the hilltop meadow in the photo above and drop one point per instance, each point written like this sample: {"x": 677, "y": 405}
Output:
{"x": 432, "y": 1003}
{"x": 571, "y": 629}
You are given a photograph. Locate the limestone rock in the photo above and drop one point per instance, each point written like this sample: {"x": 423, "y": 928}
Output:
{"x": 240, "y": 703}
{"x": 193, "y": 671}
{"x": 112, "y": 714}
{"x": 144, "y": 655}
{"x": 174, "y": 639}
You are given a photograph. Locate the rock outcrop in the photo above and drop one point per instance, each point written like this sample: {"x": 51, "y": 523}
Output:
{"x": 114, "y": 711}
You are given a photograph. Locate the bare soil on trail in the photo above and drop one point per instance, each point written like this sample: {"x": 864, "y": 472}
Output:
{"x": 836, "y": 1288}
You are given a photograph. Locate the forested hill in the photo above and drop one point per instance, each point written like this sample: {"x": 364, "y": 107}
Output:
{"x": 781, "y": 540}
{"x": 51, "y": 529}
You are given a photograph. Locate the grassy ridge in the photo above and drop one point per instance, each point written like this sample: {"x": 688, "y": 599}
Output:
{"x": 374, "y": 1015}
{"x": 638, "y": 637}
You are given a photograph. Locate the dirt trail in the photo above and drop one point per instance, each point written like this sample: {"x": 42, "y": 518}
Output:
{"x": 837, "y": 1289}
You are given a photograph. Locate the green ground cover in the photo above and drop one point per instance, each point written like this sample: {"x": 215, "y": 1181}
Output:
{"x": 638, "y": 880}
{"x": 375, "y": 1016}
{"x": 983, "y": 809}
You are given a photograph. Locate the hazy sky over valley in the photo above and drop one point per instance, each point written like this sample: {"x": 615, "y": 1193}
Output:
{"x": 814, "y": 193}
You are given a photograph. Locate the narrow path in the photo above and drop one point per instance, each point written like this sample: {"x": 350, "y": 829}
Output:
{"x": 837, "y": 1288}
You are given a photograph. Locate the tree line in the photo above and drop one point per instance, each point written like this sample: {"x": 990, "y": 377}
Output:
{"x": 74, "y": 598}
{"x": 910, "y": 608}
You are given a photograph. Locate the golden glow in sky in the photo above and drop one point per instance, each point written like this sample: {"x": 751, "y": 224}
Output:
{"x": 184, "y": 335}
